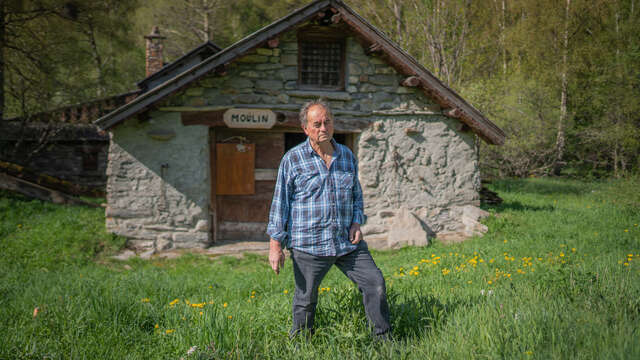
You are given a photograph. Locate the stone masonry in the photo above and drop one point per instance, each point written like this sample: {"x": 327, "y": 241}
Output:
{"x": 413, "y": 160}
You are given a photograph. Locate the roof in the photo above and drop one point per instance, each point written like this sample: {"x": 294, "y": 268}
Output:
{"x": 454, "y": 104}
{"x": 179, "y": 65}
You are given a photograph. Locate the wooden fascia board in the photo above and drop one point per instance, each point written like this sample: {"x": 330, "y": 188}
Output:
{"x": 403, "y": 61}
{"x": 225, "y": 56}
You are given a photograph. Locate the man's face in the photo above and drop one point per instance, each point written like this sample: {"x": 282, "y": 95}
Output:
{"x": 319, "y": 126}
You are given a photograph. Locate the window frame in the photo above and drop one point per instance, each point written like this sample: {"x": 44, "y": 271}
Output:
{"x": 323, "y": 34}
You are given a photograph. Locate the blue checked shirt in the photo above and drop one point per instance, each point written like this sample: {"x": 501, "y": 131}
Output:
{"x": 313, "y": 207}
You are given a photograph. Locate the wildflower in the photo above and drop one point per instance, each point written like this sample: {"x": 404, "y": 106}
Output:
{"x": 174, "y": 302}
{"x": 469, "y": 282}
{"x": 253, "y": 292}
{"x": 169, "y": 331}
{"x": 225, "y": 305}
{"x": 201, "y": 313}
{"x": 626, "y": 264}
{"x": 156, "y": 326}
{"x": 561, "y": 254}
{"x": 489, "y": 282}
{"x": 253, "y": 296}
{"x": 529, "y": 352}
{"x": 145, "y": 300}
{"x": 415, "y": 268}
{"x": 573, "y": 249}
{"x": 286, "y": 291}
{"x": 626, "y": 230}
{"x": 505, "y": 241}
{"x": 229, "y": 317}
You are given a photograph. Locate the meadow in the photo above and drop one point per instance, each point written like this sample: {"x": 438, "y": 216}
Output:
{"x": 556, "y": 277}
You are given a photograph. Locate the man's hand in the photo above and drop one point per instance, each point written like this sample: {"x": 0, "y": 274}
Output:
{"x": 276, "y": 255}
{"x": 355, "y": 235}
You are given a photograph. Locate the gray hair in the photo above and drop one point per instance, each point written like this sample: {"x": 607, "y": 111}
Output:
{"x": 305, "y": 110}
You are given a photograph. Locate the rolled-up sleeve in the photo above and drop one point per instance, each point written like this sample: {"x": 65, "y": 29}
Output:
{"x": 358, "y": 205}
{"x": 279, "y": 213}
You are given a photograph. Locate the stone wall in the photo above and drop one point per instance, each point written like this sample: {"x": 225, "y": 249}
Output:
{"x": 158, "y": 183}
{"x": 421, "y": 164}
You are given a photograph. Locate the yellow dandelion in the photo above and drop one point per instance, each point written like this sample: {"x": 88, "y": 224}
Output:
{"x": 469, "y": 282}
{"x": 573, "y": 249}
{"x": 225, "y": 305}
{"x": 415, "y": 268}
{"x": 529, "y": 352}
{"x": 505, "y": 241}
{"x": 169, "y": 331}
{"x": 626, "y": 230}
{"x": 253, "y": 292}
{"x": 145, "y": 300}
{"x": 489, "y": 282}
{"x": 286, "y": 291}
{"x": 229, "y": 317}
{"x": 626, "y": 264}
{"x": 561, "y": 254}
{"x": 253, "y": 296}
{"x": 156, "y": 326}
{"x": 201, "y": 313}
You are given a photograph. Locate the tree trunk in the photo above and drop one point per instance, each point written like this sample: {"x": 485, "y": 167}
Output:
{"x": 2, "y": 26}
{"x": 560, "y": 140}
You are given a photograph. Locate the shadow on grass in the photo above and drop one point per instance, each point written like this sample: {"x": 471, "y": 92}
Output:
{"x": 517, "y": 206}
{"x": 541, "y": 186}
{"x": 413, "y": 316}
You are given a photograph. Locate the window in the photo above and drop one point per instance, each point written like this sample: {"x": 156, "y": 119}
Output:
{"x": 321, "y": 61}
{"x": 90, "y": 159}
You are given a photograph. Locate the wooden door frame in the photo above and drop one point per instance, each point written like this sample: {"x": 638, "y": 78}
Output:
{"x": 213, "y": 207}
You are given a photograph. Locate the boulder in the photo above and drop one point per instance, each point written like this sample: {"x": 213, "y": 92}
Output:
{"x": 406, "y": 230}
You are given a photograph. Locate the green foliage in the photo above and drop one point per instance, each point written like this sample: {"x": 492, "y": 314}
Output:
{"x": 60, "y": 52}
{"x": 559, "y": 265}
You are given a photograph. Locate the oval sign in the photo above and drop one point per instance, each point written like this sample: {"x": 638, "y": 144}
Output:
{"x": 249, "y": 118}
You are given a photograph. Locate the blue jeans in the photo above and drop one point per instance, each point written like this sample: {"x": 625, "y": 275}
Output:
{"x": 359, "y": 267}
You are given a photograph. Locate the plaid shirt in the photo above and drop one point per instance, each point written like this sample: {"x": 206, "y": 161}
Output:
{"x": 313, "y": 207}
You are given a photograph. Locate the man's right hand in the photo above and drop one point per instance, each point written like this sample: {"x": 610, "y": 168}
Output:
{"x": 276, "y": 255}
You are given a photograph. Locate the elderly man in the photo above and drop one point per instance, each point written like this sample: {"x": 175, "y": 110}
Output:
{"x": 316, "y": 212}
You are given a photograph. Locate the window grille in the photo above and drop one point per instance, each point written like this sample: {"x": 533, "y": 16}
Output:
{"x": 321, "y": 63}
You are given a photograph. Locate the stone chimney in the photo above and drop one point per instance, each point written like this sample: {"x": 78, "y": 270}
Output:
{"x": 154, "y": 51}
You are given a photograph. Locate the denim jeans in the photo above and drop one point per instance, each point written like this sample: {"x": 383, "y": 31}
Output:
{"x": 359, "y": 267}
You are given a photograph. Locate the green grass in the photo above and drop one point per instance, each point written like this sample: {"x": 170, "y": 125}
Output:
{"x": 552, "y": 280}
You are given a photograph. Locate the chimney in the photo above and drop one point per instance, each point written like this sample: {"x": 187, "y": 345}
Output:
{"x": 154, "y": 51}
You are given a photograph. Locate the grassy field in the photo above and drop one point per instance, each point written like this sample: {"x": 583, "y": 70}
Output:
{"x": 556, "y": 277}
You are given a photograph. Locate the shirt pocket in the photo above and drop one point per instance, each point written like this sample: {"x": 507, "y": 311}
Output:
{"x": 308, "y": 184}
{"x": 344, "y": 185}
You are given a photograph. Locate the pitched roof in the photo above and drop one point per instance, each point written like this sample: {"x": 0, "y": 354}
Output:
{"x": 179, "y": 65}
{"x": 456, "y": 106}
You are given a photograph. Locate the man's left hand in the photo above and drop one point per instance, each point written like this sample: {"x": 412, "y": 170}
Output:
{"x": 355, "y": 235}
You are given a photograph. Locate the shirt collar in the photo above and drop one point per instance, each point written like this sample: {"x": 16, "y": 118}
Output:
{"x": 336, "y": 149}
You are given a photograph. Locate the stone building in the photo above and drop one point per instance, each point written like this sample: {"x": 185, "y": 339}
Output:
{"x": 193, "y": 160}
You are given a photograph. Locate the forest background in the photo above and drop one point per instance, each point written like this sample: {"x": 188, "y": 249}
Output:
{"x": 560, "y": 77}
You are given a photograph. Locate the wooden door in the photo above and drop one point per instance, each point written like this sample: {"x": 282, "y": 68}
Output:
{"x": 242, "y": 214}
